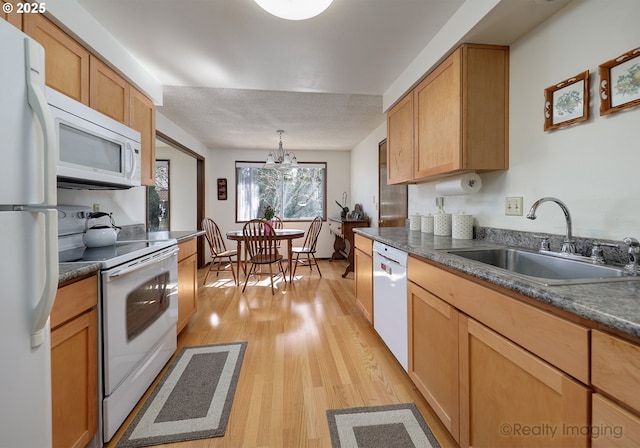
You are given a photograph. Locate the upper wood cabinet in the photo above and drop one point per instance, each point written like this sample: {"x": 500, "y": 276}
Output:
{"x": 66, "y": 61}
{"x": 109, "y": 92}
{"x": 400, "y": 141}
{"x": 13, "y": 18}
{"x": 143, "y": 120}
{"x": 459, "y": 119}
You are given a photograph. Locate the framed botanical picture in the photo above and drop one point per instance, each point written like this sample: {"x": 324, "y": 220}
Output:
{"x": 567, "y": 102}
{"x": 620, "y": 82}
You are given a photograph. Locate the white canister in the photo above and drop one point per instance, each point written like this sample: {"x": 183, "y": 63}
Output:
{"x": 462, "y": 227}
{"x": 442, "y": 224}
{"x": 427, "y": 224}
{"x": 414, "y": 222}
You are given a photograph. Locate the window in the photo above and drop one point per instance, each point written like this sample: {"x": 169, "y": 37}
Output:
{"x": 158, "y": 199}
{"x": 297, "y": 193}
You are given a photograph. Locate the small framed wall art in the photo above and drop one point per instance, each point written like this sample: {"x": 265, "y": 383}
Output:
{"x": 567, "y": 102}
{"x": 222, "y": 189}
{"x": 620, "y": 82}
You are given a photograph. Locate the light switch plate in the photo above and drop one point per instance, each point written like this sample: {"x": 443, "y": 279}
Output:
{"x": 513, "y": 206}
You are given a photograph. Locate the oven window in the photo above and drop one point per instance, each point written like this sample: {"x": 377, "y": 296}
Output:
{"x": 146, "y": 303}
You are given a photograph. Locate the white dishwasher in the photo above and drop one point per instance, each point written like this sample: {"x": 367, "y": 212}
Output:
{"x": 390, "y": 299}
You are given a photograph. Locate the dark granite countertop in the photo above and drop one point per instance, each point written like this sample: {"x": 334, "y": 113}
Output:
{"x": 612, "y": 304}
{"x": 71, "y": 271}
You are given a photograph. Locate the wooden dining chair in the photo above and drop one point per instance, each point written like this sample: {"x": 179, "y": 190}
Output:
{"x": 308, "y": 247}
{"x": 219, "y": 251}
{"x": 277, "y": 223}
{"x": 260, "y": 242}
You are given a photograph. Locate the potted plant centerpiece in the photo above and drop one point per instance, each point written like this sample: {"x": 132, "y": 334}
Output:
{"x": 268, "y": 215}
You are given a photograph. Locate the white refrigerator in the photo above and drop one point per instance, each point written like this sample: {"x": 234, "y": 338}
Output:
{"x": 28, "y": 242}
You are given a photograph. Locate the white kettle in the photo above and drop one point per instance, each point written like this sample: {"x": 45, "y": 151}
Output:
{"x": 100, "y": 235}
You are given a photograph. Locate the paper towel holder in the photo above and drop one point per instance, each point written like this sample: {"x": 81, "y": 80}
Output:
{"x": 460, "y": 184}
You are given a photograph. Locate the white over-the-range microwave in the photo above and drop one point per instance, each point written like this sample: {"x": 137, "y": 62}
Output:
{"x": 95, "y": 151}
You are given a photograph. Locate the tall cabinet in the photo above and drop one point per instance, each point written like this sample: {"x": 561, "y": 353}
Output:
{"x": 454, "y": 120}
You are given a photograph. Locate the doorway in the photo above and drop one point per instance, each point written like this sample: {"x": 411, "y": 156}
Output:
{"x": 197, "y": 211}
{"x": 393, "y": 198}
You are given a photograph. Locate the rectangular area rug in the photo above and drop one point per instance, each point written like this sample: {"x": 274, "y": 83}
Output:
{"x": 192, "y": 400}
{"x": 392, "y": 426}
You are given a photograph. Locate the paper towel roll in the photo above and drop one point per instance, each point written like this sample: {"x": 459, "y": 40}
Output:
{"x": 468, "y": 183}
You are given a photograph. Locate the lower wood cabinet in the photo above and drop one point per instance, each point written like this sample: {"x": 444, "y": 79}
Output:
{"x": 363, "y": 260}
{"x": 74, "y": 364}
{"x": 510, "y": 398}
{"x": 613, "y": 426}
{"x": 433, "y": 354}
{"x": 615, "y": 372}
{"x": 187, "y": 282}
{"x": 497, "y": 371}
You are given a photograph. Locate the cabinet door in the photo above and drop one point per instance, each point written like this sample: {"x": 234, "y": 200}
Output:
{"x": 74, "y": 388}
{"x": 364, "y": 283}
{"x": 485, "y": 107}
{"x": 66, "y": 61}
{"x": 13, "y": 18}
{"x": 433, "y": 354}
{"x": 511, "y": 398}
{"x": 615, "y": 368}
{"x": 109, "y": 93}
{"x": 612, "y": 426}
{"x": 438, "y": 99}
{"x": 400, "y": 141}
{"x": 143, "y": 120}
{"x": 187, "y": 290}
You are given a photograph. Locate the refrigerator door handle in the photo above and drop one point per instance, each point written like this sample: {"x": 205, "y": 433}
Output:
{"x": 35, "y": 92}
{"x": 42, "y": 310}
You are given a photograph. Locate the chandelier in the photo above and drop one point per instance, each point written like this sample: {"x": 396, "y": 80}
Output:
{"x": 280, "y": 158}
{"x": 294, "y": 9}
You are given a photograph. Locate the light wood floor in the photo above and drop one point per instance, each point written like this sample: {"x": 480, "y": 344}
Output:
{"x": 309, "y": 349}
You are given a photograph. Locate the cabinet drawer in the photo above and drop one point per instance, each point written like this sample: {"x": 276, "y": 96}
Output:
{"x": 615, "y": 368}
{"x": 74, "y": 299}
{"x": 186, "y": 248}
{"x": 612, "y": 426}
{"x": 364, "y": 244}
{"x": 558, "y": 341}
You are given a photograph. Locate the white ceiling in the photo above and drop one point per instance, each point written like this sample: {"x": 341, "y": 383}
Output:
{"x": 233, "y": 74}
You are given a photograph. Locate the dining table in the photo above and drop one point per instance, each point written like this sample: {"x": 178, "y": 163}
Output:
{"x": 280, "y": 235}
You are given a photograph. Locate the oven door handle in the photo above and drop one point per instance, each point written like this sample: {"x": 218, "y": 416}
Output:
{"x": 160, "y": 256}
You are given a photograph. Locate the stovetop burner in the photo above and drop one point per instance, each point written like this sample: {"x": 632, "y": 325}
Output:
{"x": 122, "y": 249}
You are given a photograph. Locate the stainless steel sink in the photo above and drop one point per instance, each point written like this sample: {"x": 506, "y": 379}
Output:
{"x": 544, "y": 269}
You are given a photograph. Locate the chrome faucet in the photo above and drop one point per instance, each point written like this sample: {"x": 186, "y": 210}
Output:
{"x": 634, "y": 250}
{"x": 568, "y": 246}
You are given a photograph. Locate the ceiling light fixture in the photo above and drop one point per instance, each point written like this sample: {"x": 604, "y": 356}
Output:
{"x": 294, "y": 9}
{"x": 279, "y": 158}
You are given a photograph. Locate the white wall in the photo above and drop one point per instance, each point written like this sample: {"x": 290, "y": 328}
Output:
{"x": 221, "y": 164}
{"x": 127, "y": 206}
{"x": 183, "y": 207}
{"x": 592, "y": 166}
{"x": 364, "y": 173}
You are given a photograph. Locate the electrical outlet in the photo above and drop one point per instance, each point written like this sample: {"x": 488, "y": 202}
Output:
{"x": 96, "y": 207}
{"x": 513, "y": 206}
